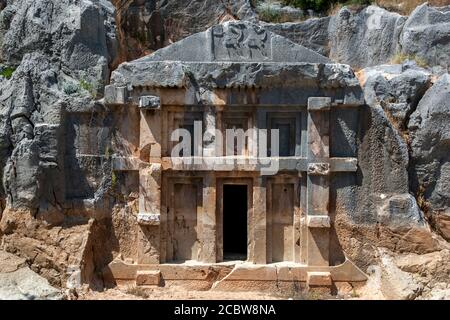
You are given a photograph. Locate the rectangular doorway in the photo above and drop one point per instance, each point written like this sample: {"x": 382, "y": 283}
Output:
{"x": 235, "y": 222}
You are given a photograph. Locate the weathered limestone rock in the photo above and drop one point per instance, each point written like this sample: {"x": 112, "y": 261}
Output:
{"x": 312, "y": 33}
{"x": 397, "y": 88}
{"x": 374, "y": 36}
{"x": 18, "y": 282}
{"x": 61, "y": 50}
{"x": 366, "y": 38}
{"x": 430, "y": 163}
{"x": 55, "y": 252}
{"x": 401, "y": 211}
{"x": 77, "y": 35}
{"x": 425, "y": 34}
{"x": 147, "y": 25}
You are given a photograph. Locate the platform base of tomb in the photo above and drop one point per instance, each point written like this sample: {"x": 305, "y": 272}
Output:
{"x": 288, "y": 278}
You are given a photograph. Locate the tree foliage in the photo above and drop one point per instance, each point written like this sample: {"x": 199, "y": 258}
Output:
{"x": 321, "y": 5}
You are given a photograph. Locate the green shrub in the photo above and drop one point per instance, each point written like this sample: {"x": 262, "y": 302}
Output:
{"x": 316, "y": 5}
{"x": 89, "y": 87}
{"x": 269, "y": 14}
{"x": 7, "y": 72}
{"x": 322, "y": 5}
{"x": 70, "y": 88}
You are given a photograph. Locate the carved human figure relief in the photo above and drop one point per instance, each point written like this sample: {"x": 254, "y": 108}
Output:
{"x": 238, "y": 42}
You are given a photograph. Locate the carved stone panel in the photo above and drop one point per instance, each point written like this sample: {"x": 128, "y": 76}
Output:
{"x": 241, "y": 42}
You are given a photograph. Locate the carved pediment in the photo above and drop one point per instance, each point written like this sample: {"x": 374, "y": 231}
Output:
{"x": 236, "y": 41}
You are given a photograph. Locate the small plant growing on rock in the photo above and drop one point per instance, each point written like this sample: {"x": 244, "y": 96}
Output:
{"x": 87, "y": 86}
{"x": 70, "y": 88}
{"x": 268, "y": 14}
{"x": 114, "y": 180}
{"x": 423, "y": 204}
{"x": 7, "y": 72}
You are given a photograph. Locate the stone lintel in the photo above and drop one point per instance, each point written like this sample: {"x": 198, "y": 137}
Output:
{"x": 319, "y": 104}
{"x": 318, "y": 279}
{"x": 255, "y": 164}
{"x": 149, "y": 219}
{"x": 318, "y": 221}
{"x": 148, "y": 278}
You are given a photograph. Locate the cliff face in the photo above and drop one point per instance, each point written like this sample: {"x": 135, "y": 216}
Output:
{"x": 58, "y": 207}
{"x": 144, "y": 26}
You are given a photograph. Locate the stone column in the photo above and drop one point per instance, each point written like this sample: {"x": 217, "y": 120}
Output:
{"x": 208, "y": 220}
{"x": 318, "y": 193}
{"x": 259, "y": 236}
{"x": 150, "y": 172}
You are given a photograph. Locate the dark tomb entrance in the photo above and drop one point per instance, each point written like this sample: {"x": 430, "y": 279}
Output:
{"x": 235, "y": 223}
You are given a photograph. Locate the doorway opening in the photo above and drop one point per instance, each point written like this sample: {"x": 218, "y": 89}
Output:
{"x": 235, "y": 206}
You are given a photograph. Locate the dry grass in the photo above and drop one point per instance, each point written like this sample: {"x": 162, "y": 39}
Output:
{"x": 138, "y": 292}
{"x": 401, "y": 57}
{"x": 424, "y": 205}
{"x": 405, "y": 7}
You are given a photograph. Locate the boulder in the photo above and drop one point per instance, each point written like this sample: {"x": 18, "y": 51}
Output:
{"x": 397, "y": 88}
{"x": 401, "y": 211}
{"x": 78, "y": 35}
{"x": 429, "y": 129}
{"x": 426, "y": 35}
{"x": 18, "y": 282}
{"x": 365, "y": 38}
{"x": 312, "y": 33}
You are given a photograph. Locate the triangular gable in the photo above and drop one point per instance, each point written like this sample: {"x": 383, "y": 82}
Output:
{"x": 236, "y": 42}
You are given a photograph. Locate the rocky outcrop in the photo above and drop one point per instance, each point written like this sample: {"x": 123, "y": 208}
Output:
{"x": 365, "y": 38}
{"x": 312, "y": 33}
{"x": 374, "y": 36}
{"x": 430, "y": 164}
{"x": 396, "y": 88}
{"x": 78, "y": 36}
{"x": 18, "y": 282}
{"x": 59, "y": 54}
{"x": 408, "y": 276}
{"x": 147, "y": 25}
{"x": 426, "y": 35}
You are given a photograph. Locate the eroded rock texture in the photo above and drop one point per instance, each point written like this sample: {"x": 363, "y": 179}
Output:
{"x": 147, "y": 25}
{"x": 430, "y": 167}
{"x": 79, "y": 36}
{"x": 396, "y": 88}
{"x": 58, "y": 53}
{"x": 18, "y": 282}
{"x": 365, "y": 38}
{"x": 373, "y": 36}
{"x": 426, "y": 34}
